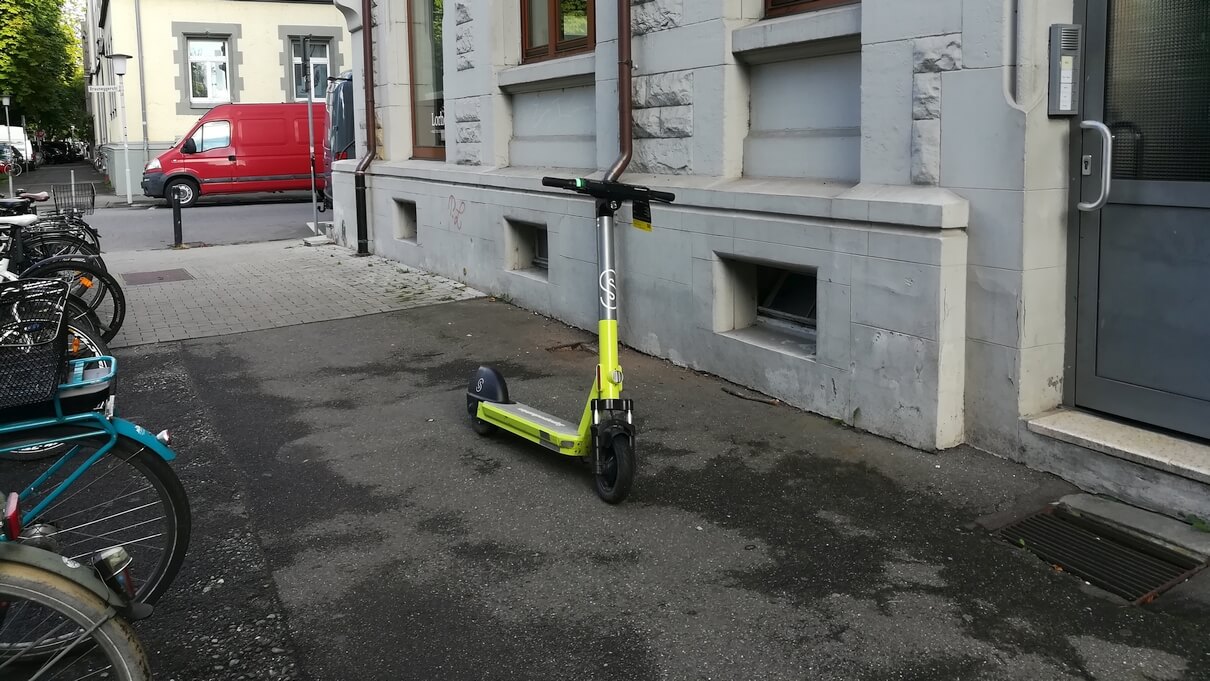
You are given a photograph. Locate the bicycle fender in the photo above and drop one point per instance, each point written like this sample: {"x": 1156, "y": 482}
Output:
{"x": 49, "y": 561}
{"x": 140, "y": 435}
{"x": 94, "y": 260}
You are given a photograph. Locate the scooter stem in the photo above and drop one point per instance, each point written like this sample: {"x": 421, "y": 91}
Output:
{"x": 607, "y": 281}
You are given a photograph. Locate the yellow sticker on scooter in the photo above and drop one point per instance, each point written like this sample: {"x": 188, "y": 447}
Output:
{"x": 642, "y": 215}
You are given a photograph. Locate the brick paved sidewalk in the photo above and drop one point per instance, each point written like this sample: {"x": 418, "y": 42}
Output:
{"x": 249, "y": 287}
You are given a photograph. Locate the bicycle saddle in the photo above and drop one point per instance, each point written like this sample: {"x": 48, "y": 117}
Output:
{"x": 17, "y": 220}
{"x": 35, "y": 196}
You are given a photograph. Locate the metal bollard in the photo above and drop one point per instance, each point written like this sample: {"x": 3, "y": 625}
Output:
{"x": 176, "y": 217}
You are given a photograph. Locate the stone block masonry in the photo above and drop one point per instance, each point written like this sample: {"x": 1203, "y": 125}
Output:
{"x": 930, "y": 57}
{"x": 663, "y": 123}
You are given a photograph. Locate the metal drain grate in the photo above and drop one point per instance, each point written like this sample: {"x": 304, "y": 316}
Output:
{"x": 156, "y": 277}
{"x": 1106, "y": 557}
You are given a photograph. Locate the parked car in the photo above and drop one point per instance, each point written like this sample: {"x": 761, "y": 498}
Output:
{"x": 60, "y": 152}
{"x": 240, "y": 148}
{"x": 339, "y": 138}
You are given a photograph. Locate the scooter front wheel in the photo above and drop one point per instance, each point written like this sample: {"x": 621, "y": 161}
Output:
{"x": 618, "y": 469}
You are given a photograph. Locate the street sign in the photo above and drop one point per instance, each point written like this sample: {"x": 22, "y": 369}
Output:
{"x": 41, "y": 134}
{"x": 102, "y": 88}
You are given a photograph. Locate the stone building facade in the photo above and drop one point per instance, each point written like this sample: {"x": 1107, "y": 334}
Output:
{"x": 874, "y": 221}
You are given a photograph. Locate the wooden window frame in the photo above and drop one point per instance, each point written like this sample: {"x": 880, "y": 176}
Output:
{"x": 426, "y": 153}
{"x": 798, "y": 6}
{"x": 554, "y": 49}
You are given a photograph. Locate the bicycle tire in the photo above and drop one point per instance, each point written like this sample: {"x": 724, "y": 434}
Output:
{"x": 96, "y": 500}
{"x": 83, "y": 278}
{"x": 54, "y": 595}
{"x": 41, "y": 247}
{"x": 67, "y": 223}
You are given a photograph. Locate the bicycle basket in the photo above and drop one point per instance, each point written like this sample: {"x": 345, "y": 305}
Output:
{"x": 76, "y": 198}
{"x": 33, "y": 340}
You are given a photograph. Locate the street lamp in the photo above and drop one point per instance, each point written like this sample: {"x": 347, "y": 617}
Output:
{"x": 8, "y": 133}
{"x": 119, "y": 70}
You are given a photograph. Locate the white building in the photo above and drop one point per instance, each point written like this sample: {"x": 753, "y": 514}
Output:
{"x": 189, "y": 56}
{"x": 877, "y": 215}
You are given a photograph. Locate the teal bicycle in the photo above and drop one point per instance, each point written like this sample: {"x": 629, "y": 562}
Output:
{"x": 96, "y": 481}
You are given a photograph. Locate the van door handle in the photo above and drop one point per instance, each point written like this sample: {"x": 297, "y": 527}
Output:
{"x": 231, "y": 158}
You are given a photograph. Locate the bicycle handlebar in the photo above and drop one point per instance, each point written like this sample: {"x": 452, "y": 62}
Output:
{"x": 609, "y": 190}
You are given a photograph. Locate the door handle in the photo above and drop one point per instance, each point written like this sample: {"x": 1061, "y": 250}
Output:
{"x": 231, "y": 158}
{"x": 1106, "y": 164}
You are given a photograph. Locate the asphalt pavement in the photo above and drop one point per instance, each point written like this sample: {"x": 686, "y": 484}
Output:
{"x": 149, "y": 227}
{"x": 227, "y": 219}
{"x": 349, "y": 525}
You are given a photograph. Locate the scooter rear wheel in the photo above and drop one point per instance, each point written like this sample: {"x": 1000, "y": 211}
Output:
{"x": 619, "y": 467}
{"x": 477, "y": 424}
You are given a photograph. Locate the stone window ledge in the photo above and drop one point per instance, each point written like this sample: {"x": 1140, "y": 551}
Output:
{"x": 915, "y": 206}
{"x": 810, "y": 34}
{"x": 552, "y": 74}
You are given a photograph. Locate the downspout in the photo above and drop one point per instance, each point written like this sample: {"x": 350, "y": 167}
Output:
{"x": 91, "y": 69}
{"x": 138, "y": 33}
{"x": 359, "y": 176}
{"x": 625, "y": 95}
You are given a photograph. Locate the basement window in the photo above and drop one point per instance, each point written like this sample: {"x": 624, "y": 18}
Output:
{"x": 786, "y": 301}
{"x": 528, "y": 248}
{"x": 773, "y": 306}
{"x": 405, "y": 220}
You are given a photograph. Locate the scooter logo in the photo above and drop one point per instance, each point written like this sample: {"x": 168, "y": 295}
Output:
{"x": 479, "y": 386}
{"x": 609, "y": 290}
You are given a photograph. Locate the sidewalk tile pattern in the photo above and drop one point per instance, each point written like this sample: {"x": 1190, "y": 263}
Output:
{"x": 249, "y": 287}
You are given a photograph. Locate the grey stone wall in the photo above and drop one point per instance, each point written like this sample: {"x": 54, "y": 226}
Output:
{"x": 932, "y": 328}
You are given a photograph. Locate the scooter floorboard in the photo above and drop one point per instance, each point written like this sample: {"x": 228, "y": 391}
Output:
{"x": 535, "y": 424}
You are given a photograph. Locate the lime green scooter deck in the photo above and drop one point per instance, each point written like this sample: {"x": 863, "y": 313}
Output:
{"x": 549, "y": 431}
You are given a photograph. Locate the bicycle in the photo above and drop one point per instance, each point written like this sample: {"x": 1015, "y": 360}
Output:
{"x": 110, "y": 483}
{"x": 96, "y": 296}
{"x": 71, "y": 203}
{"x": 59, "y": 617}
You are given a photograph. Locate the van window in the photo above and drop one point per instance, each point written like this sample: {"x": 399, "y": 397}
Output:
{"x": 212, "y": 135}
{"x": 262, "y": 132}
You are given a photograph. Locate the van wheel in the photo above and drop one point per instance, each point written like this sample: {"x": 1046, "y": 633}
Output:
{"x": 188, "y": 189}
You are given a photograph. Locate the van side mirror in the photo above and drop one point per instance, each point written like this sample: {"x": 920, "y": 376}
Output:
{"x": 190, "y": 147}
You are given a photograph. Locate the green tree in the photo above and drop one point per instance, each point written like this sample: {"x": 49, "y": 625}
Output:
{"x": 41, "y": 65}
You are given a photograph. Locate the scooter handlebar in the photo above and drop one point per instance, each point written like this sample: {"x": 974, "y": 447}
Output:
{"x": 615, "y": 191}
{"x": 559, "y": 182}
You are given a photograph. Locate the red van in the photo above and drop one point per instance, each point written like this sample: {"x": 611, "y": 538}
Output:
{"x": 237, "y": 148}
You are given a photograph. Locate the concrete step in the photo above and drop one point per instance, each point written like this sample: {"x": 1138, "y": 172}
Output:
{"x": 1187, "y": 458}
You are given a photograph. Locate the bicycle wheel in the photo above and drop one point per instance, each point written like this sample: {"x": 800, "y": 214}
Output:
{"x": 53, "y": 628}
{"x": 130, "y": 497}
{"x": 98, "y": 290}
{"x": 43, "y": 246}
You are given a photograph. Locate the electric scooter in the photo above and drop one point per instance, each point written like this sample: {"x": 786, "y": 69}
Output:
{"x": 606, "y": 431}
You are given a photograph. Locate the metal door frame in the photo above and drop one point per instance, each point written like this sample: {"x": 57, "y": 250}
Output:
{"x": 1075, "y": 187}
{"x": 1093, "y": 15}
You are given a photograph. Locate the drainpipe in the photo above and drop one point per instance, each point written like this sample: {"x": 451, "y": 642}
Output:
{"x": 138, "y": 32}
{"x": 359, "y": 176}
{"x": 625, "y": 95}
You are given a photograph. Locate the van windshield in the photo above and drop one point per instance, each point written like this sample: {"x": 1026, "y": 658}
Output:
{"x": 212, "y": 135}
